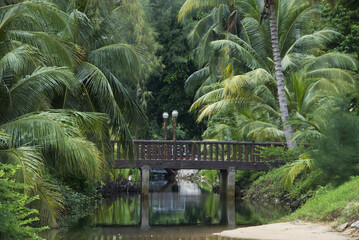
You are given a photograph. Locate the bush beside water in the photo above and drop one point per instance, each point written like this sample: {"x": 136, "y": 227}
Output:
{"x": 332, "y": 204}
{"x": 17, "y": 218}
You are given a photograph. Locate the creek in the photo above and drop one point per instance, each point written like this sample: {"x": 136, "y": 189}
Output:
{"x": 174, "y": 210}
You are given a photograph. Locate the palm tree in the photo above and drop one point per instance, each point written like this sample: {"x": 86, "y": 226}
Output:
{"x": 288, "y": 131}
{"x": 38, "y": 139}
{"x": 248, "y": 78}
{"x": 54, "y": 140}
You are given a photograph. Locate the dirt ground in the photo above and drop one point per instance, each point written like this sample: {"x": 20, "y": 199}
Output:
{"x": 289, "y": 231}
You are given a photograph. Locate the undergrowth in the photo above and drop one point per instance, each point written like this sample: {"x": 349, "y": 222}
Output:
{"x": 340, "y": 204}
{"x": 270, "y": 188}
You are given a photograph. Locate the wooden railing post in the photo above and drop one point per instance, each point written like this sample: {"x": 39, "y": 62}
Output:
{"x": 194, "y": 154}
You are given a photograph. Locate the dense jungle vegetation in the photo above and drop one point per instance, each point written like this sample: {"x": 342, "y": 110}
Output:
{"x": 75, "y": 74}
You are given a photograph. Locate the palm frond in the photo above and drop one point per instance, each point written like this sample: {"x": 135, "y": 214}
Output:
{"x": 192, "y": 5}
{"x": 126, "y": 102}
{"x": 81, "y": 28}
{"x": 57, "y": 50}
{"x": 54, "y": 130}
{"x": 262, "y": 131}
{"x": 124, "y": 59}
{"x": 46, "y": 13}
{"x": 335, "y": 75}
{"x": 200, "y": 29}
{"x": 19, "y": 59}
{"x": 210, "y": 109}
{"x": 51, "y": 202}
{"x": 212, "y": 96}
{"x": 316, "y": 40}
{"x": 245, "y": 54}
{"x": 291, "y": 171}
{"x": 334, "y": 60}
{"x": 291, "y": 14}
{"x": 30, "y": 160}
{"x": 45, "y": 83}
{"x": 101, "y": 97}
{"x": 196, "y": 79}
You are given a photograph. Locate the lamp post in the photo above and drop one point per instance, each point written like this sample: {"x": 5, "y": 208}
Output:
{"x": 174, "y": 118}
{"x": 165, "y": 117}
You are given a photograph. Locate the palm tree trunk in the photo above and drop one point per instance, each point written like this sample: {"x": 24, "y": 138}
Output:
{"x": 288, "y": 131}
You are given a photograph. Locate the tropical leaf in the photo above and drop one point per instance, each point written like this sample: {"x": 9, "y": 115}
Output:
{"x": 55, "y": 48}
{"x": 30, "y": 160}
{"x": 291, "y": 171}
{"x": 192, "y": 5}
{"x": 196, "y": 79}
{"x": 124, "y": 59}
{"x": 44, "y": 83}
{"x": 51, "y": 203}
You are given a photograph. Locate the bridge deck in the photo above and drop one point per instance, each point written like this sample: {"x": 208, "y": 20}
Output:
{"x": 196, "y": 155}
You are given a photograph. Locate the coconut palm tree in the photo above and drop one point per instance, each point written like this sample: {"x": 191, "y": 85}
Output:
{"x": 38, "y": 139}
{"x": 288, "y": 131}
{"x": 53, "y": 140}
{"x": 89, "y": 45}
{"x": 248, "y": 61}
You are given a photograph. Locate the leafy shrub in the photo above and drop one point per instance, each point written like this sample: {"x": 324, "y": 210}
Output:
{"x": 80, "y": 195}
{"x": 306, "y": 184}
{"x": 267, "y": 188}
{"x": 16, "y": 216}
{"x": 270, "y": 188}
{"x": 341, "y": 204}
{"x": 281, "y": 153}
{"x": 338, "y": 153}
{"x": 79, "y": 208}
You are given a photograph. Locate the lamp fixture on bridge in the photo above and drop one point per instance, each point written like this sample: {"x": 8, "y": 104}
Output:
{"x": 174, "y": 118}
{"x": 165, "y": 116}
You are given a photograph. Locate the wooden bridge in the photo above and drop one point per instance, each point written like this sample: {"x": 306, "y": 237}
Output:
{"x": 224, "y": 156}
{"x": 196, "y": 155}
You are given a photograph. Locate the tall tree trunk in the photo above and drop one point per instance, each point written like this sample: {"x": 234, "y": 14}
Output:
{"x": 288, "y": 131}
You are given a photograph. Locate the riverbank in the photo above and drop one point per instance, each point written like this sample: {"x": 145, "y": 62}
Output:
{"x": 297, "y": 230}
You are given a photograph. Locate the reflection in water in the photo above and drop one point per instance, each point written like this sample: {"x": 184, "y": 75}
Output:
{"x": 173, "y": 211}
{"x": 120, "y": 211}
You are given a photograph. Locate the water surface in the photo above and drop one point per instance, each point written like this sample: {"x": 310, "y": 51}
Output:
{"x": 172, "y": 211}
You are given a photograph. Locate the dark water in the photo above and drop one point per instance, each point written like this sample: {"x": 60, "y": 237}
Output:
{"x": 172, "y": 211}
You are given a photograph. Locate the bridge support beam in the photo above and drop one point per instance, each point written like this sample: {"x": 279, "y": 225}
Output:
{"x": 145, "y": 181}
{"x": 228, "y": 212}
{"x": 145, "y": 212}
{"x": 228, "y": 181}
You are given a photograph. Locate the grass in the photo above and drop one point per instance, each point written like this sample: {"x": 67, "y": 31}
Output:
{"x": 340, "y": 204}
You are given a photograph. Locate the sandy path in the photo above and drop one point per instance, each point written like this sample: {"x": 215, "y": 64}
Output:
{"x": 286, "y": 231}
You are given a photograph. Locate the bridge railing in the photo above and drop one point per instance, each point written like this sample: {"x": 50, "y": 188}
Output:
{"x": 195, "y": 150}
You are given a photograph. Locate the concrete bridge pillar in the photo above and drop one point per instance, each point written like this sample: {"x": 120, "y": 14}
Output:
{"x": 228, "y": 212}
{"x": 228, "y": 181}
{"x": 145, "y": 181}
{"x": 145, "y": 214}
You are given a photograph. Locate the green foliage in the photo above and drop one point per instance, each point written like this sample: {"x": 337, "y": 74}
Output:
{"x": 341, "y": 204}
{"x": 210, "y": 176}
{"x": 267, "y": 188}
{"x": 168, "y": 85}
{"x": 306, "y": 184}
{"x": 337, "y": 153}
{"x": 79, "y": 195}
{"x": 16, "y": 215}
{"x": 126, "y": 174}
{"x": 281, "y": 153}
{"x": 79, "y": 207}
{"x": 237, "y": 80}
{"x": 270, "y": 187}
{"x": 245, "y": 177}
{"x": 66, "y": 54}
{"x": 344, "y": 18}
{"x": 299, "y": 166}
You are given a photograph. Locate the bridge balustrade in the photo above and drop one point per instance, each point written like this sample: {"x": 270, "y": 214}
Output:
{"x": 196, "y": 155}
